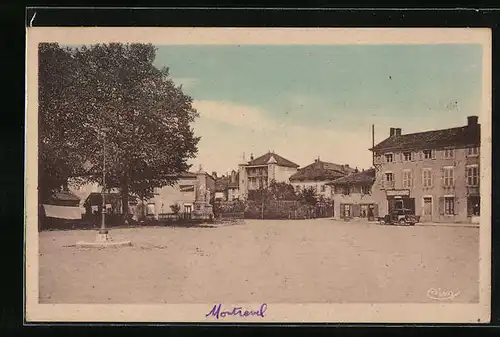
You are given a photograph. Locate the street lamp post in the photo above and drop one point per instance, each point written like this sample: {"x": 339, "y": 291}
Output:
{"x": 103, "y": 230}
{"x": 103, "y": 239}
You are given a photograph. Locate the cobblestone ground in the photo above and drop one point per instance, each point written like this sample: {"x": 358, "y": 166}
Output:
{"x": 263, "y": 261}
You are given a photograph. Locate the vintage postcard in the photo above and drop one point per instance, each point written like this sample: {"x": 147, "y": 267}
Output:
{"x": 258, "y": 175}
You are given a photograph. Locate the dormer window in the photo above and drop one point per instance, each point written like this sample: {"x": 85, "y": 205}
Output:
{"x": 472, "y": 151}
{"x": 449, "y": 154}
{"x": 407, "y": 156}
{"x": 389, "y": 157}
{"x": 428, "y": 154}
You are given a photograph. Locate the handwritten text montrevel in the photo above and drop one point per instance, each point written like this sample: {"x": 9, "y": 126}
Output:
{"x": 237, "y": 311}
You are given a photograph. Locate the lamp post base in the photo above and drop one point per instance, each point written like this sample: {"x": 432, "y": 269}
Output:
{"x": 103, "y": 240}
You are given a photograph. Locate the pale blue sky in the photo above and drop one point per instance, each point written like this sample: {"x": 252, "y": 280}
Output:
{"x": 306, "y": 101}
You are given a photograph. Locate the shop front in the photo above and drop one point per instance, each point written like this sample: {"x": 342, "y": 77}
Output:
{"x": 400, "y": 199}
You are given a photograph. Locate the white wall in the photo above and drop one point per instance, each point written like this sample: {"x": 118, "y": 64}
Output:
{"x": 316, "y": 184}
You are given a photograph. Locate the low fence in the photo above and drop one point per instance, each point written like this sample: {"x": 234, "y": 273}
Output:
{"x": 276, "y": 209}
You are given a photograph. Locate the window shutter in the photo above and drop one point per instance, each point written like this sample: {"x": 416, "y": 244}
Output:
{"x": 375, "y": 210}
{"x": 421, "y": 155}
{"x": 441, "y": 205}
{"x": 412, "y": 156}
{"x": 455, "y": 206}
{"x": 342, "y": 211}
{"x": 433, "y": 154}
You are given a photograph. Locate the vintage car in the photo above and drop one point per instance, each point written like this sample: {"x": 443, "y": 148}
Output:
{"x": 401, "y": 217}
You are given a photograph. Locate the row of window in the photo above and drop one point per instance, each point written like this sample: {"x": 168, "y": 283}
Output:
{"x": 448, "y": 206}
{"x": 322, "y": 188}
{"x": 448, "y": 177}
{"x": 427, "y": 154}
{"x": 345, "y": 190}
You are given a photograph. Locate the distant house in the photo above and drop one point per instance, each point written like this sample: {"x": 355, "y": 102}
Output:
{"x": 227, "y": 186}
{"x": 317, "y": 175}
{"x": 62, "y": 205}
{"x": 183, "y": 193}
{"x": 191, "y": 187}
{"x": 352, "y": 195}
{"x": 93, "y": 203}
{"x": 259, "y": 172}
{"x": 221, "y": 184}
{"x": 233, "y": 188}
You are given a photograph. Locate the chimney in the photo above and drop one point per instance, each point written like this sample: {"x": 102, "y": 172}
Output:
{"x": 214, "y": 174}
{"x": 392, "y": 132}
{"x": 251, "y": 156}
{"x": 397, "y": 132}
{"x": 472, "y": 121}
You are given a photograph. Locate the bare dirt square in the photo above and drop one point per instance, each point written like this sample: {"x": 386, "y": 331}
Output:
{"x": 308, "y": 261}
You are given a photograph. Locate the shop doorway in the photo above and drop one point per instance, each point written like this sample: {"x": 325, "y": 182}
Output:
{"x": 473, "y": 205}
{"x": 427, "y": 209}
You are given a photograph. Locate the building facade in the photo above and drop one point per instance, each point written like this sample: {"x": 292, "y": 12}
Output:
{"x": 259, "y": 172}
{"x": 227, "y": 186}
{"x": 353, "y": 196}
{"x": 318, "y": 175}
{"x": 192, "y": 187}
{"x": 435, "y": 174}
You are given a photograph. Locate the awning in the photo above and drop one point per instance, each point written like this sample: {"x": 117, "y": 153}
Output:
{"x": 62, "y": 212}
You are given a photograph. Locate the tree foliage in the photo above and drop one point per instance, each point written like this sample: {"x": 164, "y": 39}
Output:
{"x": 308, "y": 196}
{"x": 282, "y": 191}
{"x": 116, "y": 87}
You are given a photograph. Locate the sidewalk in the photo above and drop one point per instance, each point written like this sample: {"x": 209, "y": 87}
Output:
{"x": 439, "y": 224}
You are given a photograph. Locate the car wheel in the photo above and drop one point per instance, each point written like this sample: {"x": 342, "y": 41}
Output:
{"x": 382, "y": 222}
{"x": 402, "y": 222}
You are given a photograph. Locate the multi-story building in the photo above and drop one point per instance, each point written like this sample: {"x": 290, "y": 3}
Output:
{"x": 318, "y": 175}
{"x": 433, "y": 173}
{"x": 259, "y": 172}
{"x": 353, "y": 197}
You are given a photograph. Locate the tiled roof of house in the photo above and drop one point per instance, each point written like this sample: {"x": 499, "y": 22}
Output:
{"x": 460, "y": 136}
{"x": 320, "y": 170}
{"x": 224, "y": 182}
{"x": 95, "y": 198}
{"x": 363, "y": 177}
{"x": 65, "y": 196}
{"x": 266, "y": 158}
{"x": 221, "y": 184}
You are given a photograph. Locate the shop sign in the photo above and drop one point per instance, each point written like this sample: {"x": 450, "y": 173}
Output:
{"x": 398, "y": 193}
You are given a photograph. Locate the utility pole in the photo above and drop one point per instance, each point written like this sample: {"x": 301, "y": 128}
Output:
{"x": 373, "y": 145}
{"x": 103, "y": 229}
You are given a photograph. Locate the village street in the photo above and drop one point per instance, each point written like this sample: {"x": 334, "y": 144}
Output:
{"x": 268, "y": 261}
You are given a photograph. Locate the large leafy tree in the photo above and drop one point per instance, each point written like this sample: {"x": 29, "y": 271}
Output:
{"x": 114, "y": 93}
{"x": 60, "y": 131}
